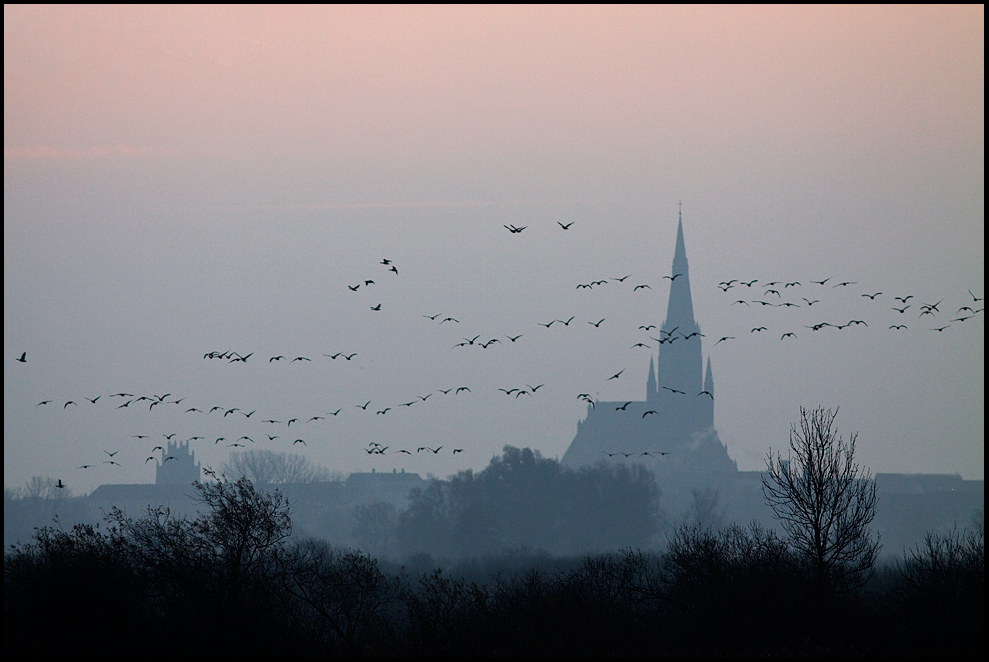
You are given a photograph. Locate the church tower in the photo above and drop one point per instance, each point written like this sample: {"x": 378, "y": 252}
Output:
{"x": 681, "y": 393}
{"x": 177, "y": 466}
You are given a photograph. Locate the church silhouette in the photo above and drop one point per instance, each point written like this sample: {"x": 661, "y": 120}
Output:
{"x": 672, "y": 431}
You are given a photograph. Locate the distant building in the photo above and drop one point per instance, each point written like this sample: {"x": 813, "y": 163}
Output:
{"x": 177, "y": 466}
{"x": 393, "y": 487}
{"x": 672, "y": 430}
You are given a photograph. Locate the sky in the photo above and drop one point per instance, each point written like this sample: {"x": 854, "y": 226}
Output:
{"x": 187, "y": 180}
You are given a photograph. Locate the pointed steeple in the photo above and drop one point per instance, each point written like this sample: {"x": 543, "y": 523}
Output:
{"x": 651, "y": 387}
{"x": 680, "y": 309}
{"x": 709, "y": 378}
{"x": 680, "y": 365}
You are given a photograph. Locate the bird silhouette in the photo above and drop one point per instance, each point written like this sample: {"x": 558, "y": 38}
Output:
{"x": 23, "y": 357}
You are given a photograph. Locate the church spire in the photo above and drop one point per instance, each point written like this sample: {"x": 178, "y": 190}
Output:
{"x": 680, "y": 365}
{"x": 651, "y": 387}
{"x": 680, "y": 309}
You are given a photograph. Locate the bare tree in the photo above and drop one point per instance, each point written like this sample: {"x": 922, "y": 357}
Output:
{"x": 824, "y": 500}
{"x": 705, "y": 509}
{"x": 264, "y": 467}
{"x": 46, "y": 487}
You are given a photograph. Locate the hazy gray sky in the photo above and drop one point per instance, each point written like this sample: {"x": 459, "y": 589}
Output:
{"x": 180, "y": 180}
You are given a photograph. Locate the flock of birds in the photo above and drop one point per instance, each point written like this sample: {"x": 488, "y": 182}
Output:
{"x": 300, "y": 429}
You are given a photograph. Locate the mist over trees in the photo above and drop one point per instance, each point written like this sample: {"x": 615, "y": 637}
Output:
{"x": 524, "y": 500}
{"x": 517, "y": 559}
{"x": 234, "y": 579}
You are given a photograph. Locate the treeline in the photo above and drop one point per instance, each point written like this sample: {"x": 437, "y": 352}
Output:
{"x": 523, "y": 499}
{"x": 234, "y": 581}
